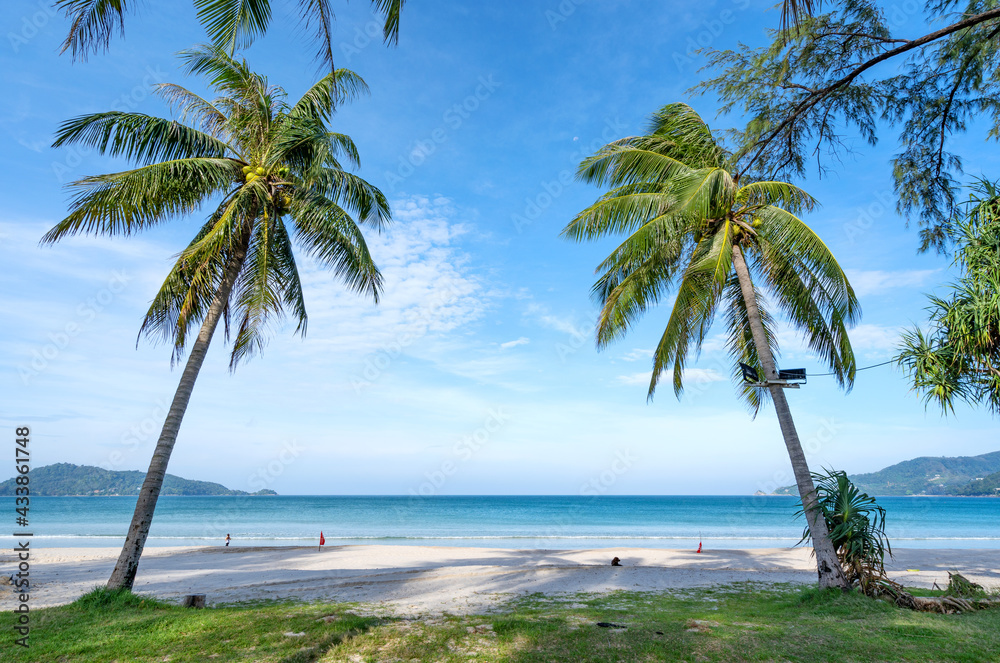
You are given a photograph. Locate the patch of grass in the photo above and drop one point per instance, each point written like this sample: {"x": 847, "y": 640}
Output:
{"x": 743, "y": 622}
{"x": 105, "y": 626}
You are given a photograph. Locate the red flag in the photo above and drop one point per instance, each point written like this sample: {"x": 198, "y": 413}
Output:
{"x": 321, "y": 539}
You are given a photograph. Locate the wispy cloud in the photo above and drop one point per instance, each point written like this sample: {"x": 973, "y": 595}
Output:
{"x": 524, "y": 340}
{"x": 637, "y": 354}
{"x": 874, "y": 339}
{"x": 877, "y": 282}
{"x": 564, "y": 324}
{"x": 430, "y": 288}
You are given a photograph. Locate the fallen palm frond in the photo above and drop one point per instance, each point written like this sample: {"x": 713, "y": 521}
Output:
{"x": 962, "y": 595}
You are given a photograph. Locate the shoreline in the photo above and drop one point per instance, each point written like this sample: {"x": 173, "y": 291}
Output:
{"x": 410, "y": 579}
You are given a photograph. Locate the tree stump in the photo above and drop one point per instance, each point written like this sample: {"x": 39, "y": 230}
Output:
{"x": 194, "y": 601}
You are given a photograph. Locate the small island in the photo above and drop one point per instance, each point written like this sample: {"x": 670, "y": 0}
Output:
{"x": 67, "y": 479}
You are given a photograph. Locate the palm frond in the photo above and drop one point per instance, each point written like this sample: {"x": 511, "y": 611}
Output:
{"x": 224, "y": 73}
{"x": 805, "y": 298}
{"x": 780, "y": 194}
{"x": 331, "y": 236}
{"x": 124, "y": 203}
{"x": 698, "y": 296}
{"x": 319, "y": 102}
{"x": 185, "y": 296}
{"x": 187, "y": 104}
{"x": 621, "y": 163}
{"x": 683, "y": 135}
{"x": 92, "y": 23}
{"x": 623, "y": 209}
{"x": 316, "y": 14}
{"x": 256, "y": 298}
{"x": 355, "y": 194}
{"x": 138, "y": 137}
{"x": 233, "y": 24}
{"x": 637, "y": 275}
{"x": 391, "y": 9}
{"x": 789, "y": 236}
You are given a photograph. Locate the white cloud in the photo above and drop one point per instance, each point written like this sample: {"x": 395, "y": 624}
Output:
{"x": 874, "y": 338}
{"x": 876, "y": 282}
{"x": 524, "y": 340}
{"x": 564, "y": 324}
{"x": 637, "y": 353}
{"x": 429, "y": 288}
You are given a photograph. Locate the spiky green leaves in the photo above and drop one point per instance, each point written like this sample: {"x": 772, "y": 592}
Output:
{"x": 230, "y": 24}
{"x": 138, "y": 137}
{"x": 92, "y": 24}
{"x": 233, "y": 24}
{"x": 825, "y": 75}
{"x": 958, "y": 359}
{"x": 682, "y": 213}
{"x": 275, "y": 168}
{"x": 127, "y": 202}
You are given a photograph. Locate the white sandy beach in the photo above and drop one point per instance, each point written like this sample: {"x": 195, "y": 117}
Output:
{"x": 429, "y": 580}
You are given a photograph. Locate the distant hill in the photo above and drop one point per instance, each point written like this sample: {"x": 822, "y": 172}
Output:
{"x": 69, "y": 479}
{"x": 959, "y": 475}
{"x": 988, "y": 485}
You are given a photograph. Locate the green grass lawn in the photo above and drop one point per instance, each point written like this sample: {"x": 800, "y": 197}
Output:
{"x": 733, "y": 623}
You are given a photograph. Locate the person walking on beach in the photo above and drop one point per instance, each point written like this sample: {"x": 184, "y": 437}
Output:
{"x": 227, "y": 540}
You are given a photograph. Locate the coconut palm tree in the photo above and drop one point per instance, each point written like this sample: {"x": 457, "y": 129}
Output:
{"x": 693, "y": 229}
{"x": 270, "y": 170}
{"x": 230, "y": 24}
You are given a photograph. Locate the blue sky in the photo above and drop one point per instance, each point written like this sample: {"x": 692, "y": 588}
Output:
{"x": 477, "y": 373}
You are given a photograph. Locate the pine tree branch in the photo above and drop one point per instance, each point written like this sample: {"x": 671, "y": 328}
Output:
{"x": 814, "y": 98}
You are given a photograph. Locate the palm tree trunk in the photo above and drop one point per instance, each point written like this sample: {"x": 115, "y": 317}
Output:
{"x": 123, "y": 575}
{"x": 827, "y": 564}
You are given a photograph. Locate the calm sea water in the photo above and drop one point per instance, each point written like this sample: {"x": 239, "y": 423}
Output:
{"x": 503, "y": 522}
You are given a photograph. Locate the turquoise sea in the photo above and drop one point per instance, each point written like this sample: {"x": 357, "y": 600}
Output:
{"x": 493, "y": 521}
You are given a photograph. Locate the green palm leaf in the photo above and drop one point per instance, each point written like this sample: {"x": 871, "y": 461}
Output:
{"x": 139, "y": 137}
{"x": 230, "y": 24}
{"x": 124, "y": 203}
{"x": 92, "y": 24}
{"x": 233, "y": 24}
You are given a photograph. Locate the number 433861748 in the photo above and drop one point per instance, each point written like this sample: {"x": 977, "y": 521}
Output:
{"x": 21, "y": 458}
